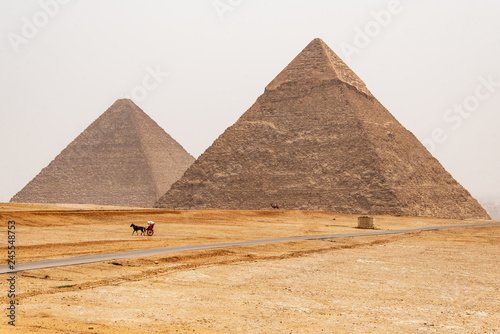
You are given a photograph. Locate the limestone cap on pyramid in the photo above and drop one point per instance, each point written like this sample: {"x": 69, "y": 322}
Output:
{"x": 317, "y": 63}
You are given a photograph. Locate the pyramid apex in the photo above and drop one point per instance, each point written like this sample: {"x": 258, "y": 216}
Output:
{"x": 123, "y": 106}
{"x": 317, "y": 62}
{"x": 318, "y": 40}
{"x": 124, "y": 101}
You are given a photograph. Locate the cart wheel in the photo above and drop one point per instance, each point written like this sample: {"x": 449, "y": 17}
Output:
{"x": 150, "y": 232}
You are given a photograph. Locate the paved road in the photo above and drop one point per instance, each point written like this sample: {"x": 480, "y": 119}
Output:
{"x": 70, "y": 261}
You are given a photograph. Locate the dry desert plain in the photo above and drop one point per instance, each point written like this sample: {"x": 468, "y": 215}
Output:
{"x": 444, "y": 281}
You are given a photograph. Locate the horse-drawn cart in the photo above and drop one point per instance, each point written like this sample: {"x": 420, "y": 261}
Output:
{"x": 151, "y": 228}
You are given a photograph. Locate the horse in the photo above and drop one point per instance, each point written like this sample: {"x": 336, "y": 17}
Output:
{"x": 138, "y": 228}
{"x": 275, "y": 206}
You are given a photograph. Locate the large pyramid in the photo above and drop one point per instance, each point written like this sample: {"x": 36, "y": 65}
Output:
{"x": 123, "y": 158}
{"x": 317, "y": 139}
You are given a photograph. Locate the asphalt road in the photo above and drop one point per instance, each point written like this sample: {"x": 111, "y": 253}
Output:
{"x": 70, "y": 261}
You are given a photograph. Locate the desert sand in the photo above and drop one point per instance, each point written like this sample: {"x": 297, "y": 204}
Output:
{"x": 444, "y": 281}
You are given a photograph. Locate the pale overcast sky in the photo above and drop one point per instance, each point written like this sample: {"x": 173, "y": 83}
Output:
{"x": 195, "y": 66}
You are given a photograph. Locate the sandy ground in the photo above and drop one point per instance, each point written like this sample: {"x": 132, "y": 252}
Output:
{"x": 444, "y": 281}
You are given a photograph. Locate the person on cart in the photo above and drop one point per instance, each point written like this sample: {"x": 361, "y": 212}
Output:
{"x": 150, "y": 229}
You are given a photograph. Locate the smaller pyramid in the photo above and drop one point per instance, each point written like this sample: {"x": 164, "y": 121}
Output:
{"x": 123, "y": 158}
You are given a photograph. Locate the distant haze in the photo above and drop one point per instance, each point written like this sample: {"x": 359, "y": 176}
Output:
{"x": 196, "y": 66}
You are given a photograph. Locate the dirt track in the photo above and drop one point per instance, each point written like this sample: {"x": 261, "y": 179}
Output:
{"x": 440, "y": 281}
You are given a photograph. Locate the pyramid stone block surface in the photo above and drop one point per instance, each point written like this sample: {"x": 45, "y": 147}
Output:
{"x": 317, "y": 139}
{"x": 123, "y": 158}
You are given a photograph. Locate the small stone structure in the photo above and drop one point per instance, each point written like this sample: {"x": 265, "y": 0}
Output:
{"x": 365, "y": 222}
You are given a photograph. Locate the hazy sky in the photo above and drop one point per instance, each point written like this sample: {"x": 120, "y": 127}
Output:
{"x": 195, "y": 66}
